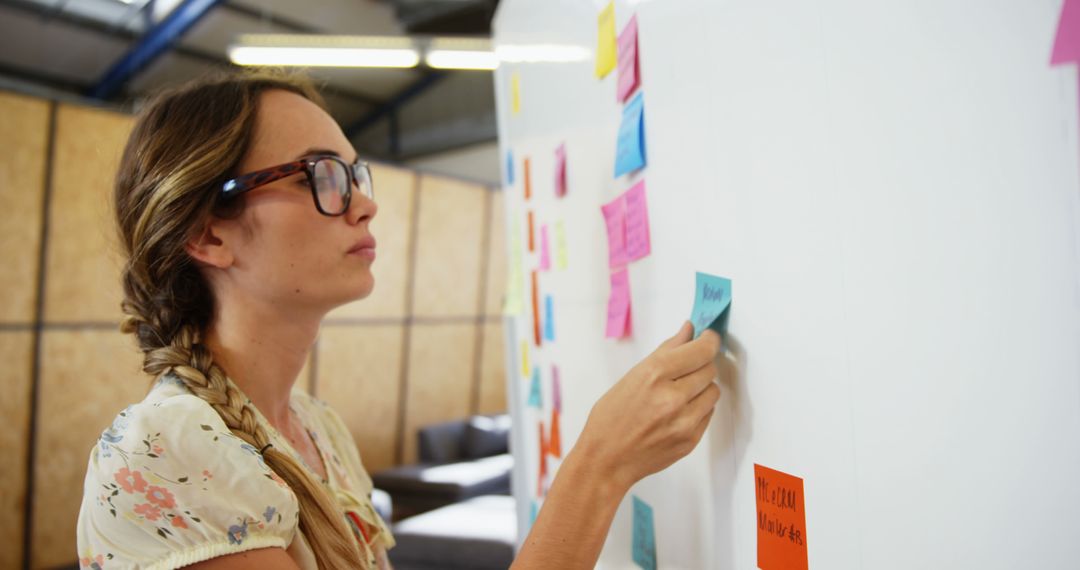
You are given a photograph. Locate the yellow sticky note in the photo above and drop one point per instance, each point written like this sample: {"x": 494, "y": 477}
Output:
{"x": 515, "y": 91}
{"x": 524, "y": 359}
{"x": 560, "y": 246}
{"x": 605, "y": 40}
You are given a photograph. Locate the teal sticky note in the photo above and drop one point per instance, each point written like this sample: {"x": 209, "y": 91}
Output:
{"x": 549, "y": 319}
{"x": 630, "y": 146}
{"x": 533, "y": 511}
{"x": 644, "y": 542}
{"x": 712, "y": 304}
{"x": 535, "y": 398}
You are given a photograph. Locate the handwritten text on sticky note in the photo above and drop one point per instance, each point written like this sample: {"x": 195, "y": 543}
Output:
{"x": 644, "y": 539}
{"x": 712, "y": 301}
{"x": 781, "y": 520}
{"x": 637, "y": 223}
{"x": 615, "y": 219}
{"x": 629, "y": 69}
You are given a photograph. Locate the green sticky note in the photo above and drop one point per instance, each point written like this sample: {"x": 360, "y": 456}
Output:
{"x": 712, "y": 304}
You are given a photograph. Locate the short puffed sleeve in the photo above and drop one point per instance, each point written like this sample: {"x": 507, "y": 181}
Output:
{"x": 169, "y": 485}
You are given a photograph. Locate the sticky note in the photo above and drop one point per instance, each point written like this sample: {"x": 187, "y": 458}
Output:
{"x": 515, "y": 92}
{"x": 549, "y": 319}
{"x": 543, "y": 463}
{"x": 1067, "y": 41}
{"x": 618, "y": 319}
{"x": 712, "y": 301}
{"x": 524, "y": 359}
{"x": 545, "y": 251}
{"x": 637, "y": 223}
{"x": 554, "y": 441}
{"x": 556, "y": 389}
{"x": 528, "y": 179}
{"x": 630, "y": 146}
{"x": 561, "y": 261}
{"x": 615, "y": 220}
{"x": 532, "y": 233}
{"x": 536, "y": 399}
{"x": 605, "y": 40}
{"x": 629, "y": 69}
{"x": 536, "y": 309}
{"x": 644, "y": 538}
{"x": 560, "y": 171}
{"x": 534, "y": 510}
{"x": 509, "y": 168}
{"x": 781, "y": 520}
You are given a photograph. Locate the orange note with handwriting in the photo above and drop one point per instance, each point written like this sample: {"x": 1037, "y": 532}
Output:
{"x": 781, "y": 520}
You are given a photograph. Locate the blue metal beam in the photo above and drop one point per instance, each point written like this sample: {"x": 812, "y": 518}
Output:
{"x": 417, "y": 87}
{"x": 152, "y": 44}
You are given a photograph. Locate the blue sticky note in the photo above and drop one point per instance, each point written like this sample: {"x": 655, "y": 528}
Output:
{"x": 549, "y": 319}
{"x": 644, "y": 544}
{"x": 509, "y": 167}
{"x": 712, "y": 304}
{"x": 630, "y": 148}
{"x": 535, "y": 398}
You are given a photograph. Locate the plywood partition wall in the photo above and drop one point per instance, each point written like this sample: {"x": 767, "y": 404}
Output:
{"x": 388, "y": 364}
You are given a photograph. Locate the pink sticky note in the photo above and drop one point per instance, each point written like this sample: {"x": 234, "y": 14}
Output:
{"x": 637, "y": 223}
{"x": 615, "y": 217}
{"x": 560, "y": 170}
{"x": 545, "y": 251}
{"x": 1067, "y": 42}
{"x": 618, "y": 312}
{"x": 629, "y": 69}
{"x": 556, "y": 390}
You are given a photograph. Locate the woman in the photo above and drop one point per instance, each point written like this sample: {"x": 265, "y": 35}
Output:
{"x": 245, "y": 215}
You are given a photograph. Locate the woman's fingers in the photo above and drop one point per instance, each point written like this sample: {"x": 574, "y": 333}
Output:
{"x": 687, "y": 357}
{"x": 692, "y": 384}
{"x": 685, "y": 334}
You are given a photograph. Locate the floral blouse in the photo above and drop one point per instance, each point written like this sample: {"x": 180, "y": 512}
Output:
{"x": 169, "y": 485}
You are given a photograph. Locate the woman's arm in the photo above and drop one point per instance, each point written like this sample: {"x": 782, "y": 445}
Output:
{"x": 651, "y": 418}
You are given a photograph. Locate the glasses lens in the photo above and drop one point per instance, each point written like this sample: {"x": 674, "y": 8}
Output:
{"x": 363, "y": 180}
{"x": 331, "y": 185}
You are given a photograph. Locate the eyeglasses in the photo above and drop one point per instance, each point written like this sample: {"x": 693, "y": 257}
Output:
{"x": 330, "y": 179}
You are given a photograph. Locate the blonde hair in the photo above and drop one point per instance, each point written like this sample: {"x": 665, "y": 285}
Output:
{"x": 184, "y": 145}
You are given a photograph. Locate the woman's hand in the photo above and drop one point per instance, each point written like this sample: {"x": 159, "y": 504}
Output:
{"x": 657, "y": 413}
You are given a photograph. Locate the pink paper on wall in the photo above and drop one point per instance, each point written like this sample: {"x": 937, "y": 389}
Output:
{"x": 637, "y": 223}
{"x": 545, "y": 250}
{"x": 560, "y": 171}
{"x": 615, "y": 218}
{"x": 618, "y": 319}
{"x": 556, "y": 389}
{"x": 629, "y": 69}
{"x": 1067, "y": 41}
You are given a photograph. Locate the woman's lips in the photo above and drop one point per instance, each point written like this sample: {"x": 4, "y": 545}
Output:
{"x": 364, "y": 248}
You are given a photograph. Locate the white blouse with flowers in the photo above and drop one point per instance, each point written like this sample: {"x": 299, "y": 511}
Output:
{"x": 169, "y": 485}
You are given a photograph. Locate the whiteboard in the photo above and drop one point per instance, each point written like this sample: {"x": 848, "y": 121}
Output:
{"x": 893, "y": 188}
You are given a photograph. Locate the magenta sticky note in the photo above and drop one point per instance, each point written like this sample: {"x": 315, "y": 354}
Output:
{"x": 615, "y": 218}
{"x": 618, "y": 317}
{"x": 637, "y": 223}
{"x": 556, "y": 389}
{"x": 629, "y": 69}
{"x": 1067, "y": 41}
{"x": 545, "y": 250}
{"x": 560, "y": 171}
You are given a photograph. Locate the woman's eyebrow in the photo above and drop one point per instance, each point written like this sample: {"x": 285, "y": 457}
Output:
{"x": 315, "y": 150}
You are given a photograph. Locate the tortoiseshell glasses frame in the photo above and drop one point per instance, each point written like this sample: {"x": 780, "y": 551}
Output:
{"x": 329, "y": 177}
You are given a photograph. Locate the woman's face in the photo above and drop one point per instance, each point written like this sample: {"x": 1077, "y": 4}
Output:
{"x": 283, "y": 251}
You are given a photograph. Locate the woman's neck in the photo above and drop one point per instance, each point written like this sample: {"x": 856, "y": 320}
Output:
{"x": 262, "y": 349}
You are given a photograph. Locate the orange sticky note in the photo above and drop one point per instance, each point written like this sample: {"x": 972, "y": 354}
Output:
{"x": 781, "y": 520}
{"x": 543, "y": 463}
{"x": 554, "y": 441}
{"x": 528, "y": 180}
{"x": 532, "y": 233}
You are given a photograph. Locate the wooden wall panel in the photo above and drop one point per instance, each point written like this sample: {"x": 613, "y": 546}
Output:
{"x": 395, "y": 193}
{"x": 16, "y": 352}
{"x": 492, "y": 371}
{"x": 83, "y": 282}
{"x": 440, "y": 377}
{"x": 24, "y": 130}
{"x": 359, "y": 374}
{"x": 87, "y": 377}
{"x": 449, "y": 248}
{"x": 497, "y": 256}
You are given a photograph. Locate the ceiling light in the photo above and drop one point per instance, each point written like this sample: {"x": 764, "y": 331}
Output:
{"x": 324, "y": 51}
{"x": 461, "y": 53}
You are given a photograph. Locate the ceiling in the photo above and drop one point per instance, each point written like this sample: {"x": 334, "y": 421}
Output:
{"x": 65, "y": 48}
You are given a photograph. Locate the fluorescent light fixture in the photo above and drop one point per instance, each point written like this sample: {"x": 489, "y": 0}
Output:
{"x": 542, "y": 53}
{"x": 324, "y": 51}
{"x": 461, "y": 53}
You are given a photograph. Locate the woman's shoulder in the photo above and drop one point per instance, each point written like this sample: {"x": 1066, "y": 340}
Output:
{"x": 168, "y": 481}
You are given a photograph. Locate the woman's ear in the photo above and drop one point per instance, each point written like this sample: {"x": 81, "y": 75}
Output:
{"x": 208, "y": 248}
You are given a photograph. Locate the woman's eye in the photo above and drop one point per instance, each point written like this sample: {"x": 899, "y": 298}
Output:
{"x": 303, "y": 181}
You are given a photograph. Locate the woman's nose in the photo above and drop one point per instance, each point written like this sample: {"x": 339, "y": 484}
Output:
{"x": 361, "y": 208}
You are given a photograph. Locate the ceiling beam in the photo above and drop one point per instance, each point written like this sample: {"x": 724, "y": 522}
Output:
{"x": 155, "y": 42}
{"x": 417, "y": 87}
